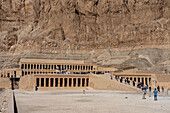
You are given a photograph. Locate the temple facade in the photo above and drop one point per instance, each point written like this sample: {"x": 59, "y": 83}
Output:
{"x": 45, "y": 74}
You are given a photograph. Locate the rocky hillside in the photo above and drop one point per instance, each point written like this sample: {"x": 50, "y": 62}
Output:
{"x": 82, "y": 24}
{"x": 80, "y": 28}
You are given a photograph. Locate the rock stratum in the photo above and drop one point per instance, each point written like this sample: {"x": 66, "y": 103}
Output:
{"x": 88, "y": 29}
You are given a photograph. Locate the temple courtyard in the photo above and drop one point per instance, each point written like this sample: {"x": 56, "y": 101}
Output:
{"x": 90, "y": 101}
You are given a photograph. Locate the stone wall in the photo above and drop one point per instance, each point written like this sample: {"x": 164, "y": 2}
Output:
{"x": 5, "y": 83}
{"x": 163, "y": 80}
{"x": 100, "y": 82}
{"x": 26, "y": 82}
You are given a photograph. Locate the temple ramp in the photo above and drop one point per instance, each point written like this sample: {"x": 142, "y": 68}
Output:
{"x": 101, "y": 82}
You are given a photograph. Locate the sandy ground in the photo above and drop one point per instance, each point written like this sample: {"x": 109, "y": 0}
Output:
{"x": 93, "y": 101}
{"x": 4, "y": 100}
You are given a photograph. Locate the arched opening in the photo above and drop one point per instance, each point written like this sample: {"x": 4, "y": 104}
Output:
{"x": 70, "y": 82}
{"x": 74, "y": 82}
{"x": 42, "y": 82}
{"x": 138, "y": 79}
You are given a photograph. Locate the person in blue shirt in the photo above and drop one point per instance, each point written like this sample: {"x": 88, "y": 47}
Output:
{"x": 155, "y": 94}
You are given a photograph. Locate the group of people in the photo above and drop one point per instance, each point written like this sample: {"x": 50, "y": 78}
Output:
{"x": 155, "y": 92}
{"x": 144, "y": 88}
{"x": 121, "y": 79}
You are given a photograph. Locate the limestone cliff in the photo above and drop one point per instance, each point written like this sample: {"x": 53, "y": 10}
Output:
{"x": 67, "y": 25}
{"x": 82, "y": 24}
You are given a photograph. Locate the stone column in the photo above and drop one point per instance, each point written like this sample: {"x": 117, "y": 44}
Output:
{"x": 76, "y": 82}
{"x": 144, "y": 81}
{"x": 39, "y": 66}
{"x": 49, "y": 82}
{"x": 25, "y": 66}
{"x": 133, "y": 79}
{"x": 54, "y": 82}
{"x": 9, "y": 73}
{"x": 63, "y": 82}
{"x": 39, "y": 82}
{"x": 67, "y": 67}
{"x": 85, "y": 82}
{"x": 44, "y": 82}
{"x": 72, "y": 82}
{"x": 58, "y": 82}
{"x": 4, "y": 74}
{"x": 148, "y": 81}
{"x": 36, "y": 66}
{"x": 68, "y": 82}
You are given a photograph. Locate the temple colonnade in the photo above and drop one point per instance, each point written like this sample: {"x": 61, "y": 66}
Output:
{"x": 48, "y": 82}
{"x": 145, "y": 79}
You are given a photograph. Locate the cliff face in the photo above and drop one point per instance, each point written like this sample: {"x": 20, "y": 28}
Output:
{"x": 82, "y": 24}
{"x": 95, "y": 30}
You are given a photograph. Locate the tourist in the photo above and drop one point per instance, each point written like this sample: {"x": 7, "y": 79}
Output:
{"x": 146, "y": 86}
{"x": 155, "y": 94}
{"x": 121, "y": 80}
{"x": 111, "y": 77}
{"x": 162, "y": 89}
{"x": 115, "y": 77}
{"x": 144, "y": 92}
{"x": 125, "y": 81}
{"x": 129, "y": 82}
{"x": 167, "y": 90}
{"x": 133, "y": 83}
{"x": 149, "y": 91}
{"x": 158, "y": 88}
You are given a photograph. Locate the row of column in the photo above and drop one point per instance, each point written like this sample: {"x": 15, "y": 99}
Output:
{"x": 8, "y": 74}
{"x": 144, "y": 80}
{"x": 60, "y": 67}
{"x": 37, "y": 72}
{"x": 62, "y": 82}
